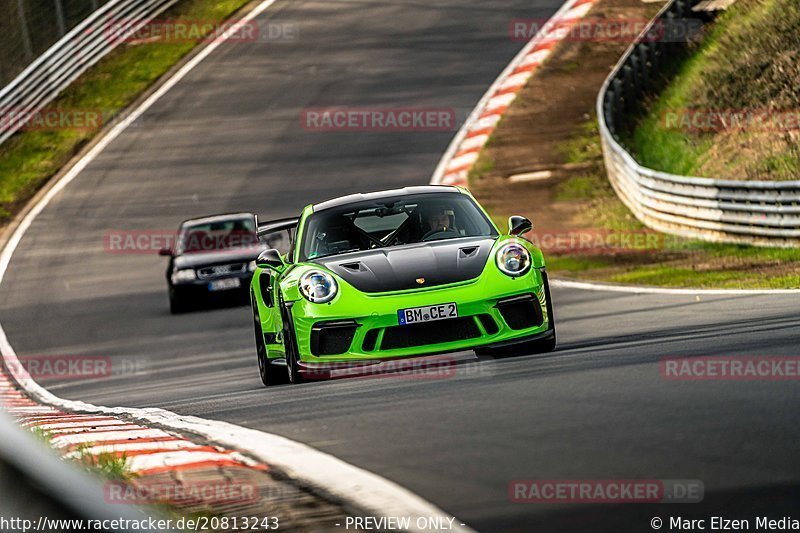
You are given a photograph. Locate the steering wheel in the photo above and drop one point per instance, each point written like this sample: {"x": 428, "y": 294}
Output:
{"x": 439, "y": 233}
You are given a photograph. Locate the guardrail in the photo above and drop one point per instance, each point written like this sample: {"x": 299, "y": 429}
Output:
{"x": 72, "y": 55}
{"x": 763, "y": 213}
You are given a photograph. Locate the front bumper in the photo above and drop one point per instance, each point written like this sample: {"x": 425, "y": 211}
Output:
{"x": 198, "y": 290}
{"x": 493, "y": 309}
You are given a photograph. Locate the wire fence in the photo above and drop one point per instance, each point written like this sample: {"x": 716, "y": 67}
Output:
{"x": 67, "y": 58}
{"x": 29, "y": 27}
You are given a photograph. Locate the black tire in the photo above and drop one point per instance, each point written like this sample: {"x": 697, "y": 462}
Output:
{"x": 270, "y": 375}
{"x": 292, "y": 365}
{"x": 545, "y": 345}
{"x": 177, "y": 305}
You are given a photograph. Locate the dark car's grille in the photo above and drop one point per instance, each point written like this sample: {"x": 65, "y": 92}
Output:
{"x": 454, "y": 329}
{"x": 521, "y": 312}
{"x": 221, "y": 270}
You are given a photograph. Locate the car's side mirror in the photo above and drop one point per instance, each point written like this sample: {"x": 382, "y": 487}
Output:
{"x": 165, "y": 252}
{"x": 518, "y": 225}
{"x": 270, "y": 259}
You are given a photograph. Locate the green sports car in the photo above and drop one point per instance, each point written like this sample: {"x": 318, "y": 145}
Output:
{"x": 395, "y": 274}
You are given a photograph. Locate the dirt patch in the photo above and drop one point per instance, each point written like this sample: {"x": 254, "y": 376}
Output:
{"x": 536, "y": 132}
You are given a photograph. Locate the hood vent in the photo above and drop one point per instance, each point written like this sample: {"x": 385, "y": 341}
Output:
{"x": 469, "y": 251}
{"x": 398, "y": 267}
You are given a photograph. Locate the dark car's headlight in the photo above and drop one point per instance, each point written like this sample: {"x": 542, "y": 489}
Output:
{"x": 183, "y": 275}
{"x": 513, "y": 259}
{"x": 318, "y": 287}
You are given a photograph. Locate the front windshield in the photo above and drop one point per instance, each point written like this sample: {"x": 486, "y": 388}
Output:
{"x": 226, "y": 234}
{"x": 391, "y": 222}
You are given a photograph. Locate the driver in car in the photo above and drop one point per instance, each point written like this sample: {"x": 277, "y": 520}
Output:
{"x": 438, "y": 219}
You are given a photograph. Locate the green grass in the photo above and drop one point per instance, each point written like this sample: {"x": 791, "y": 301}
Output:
{"x": 109, "y": 465}
{"x": 483, "y": 166}
{"x": 585, "y": 145}
{"x": 42, "y": 434}
{"x": 748, "y": 61}
{"x": 30, "y": 158}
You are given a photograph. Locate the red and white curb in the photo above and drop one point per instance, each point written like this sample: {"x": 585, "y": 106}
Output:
{"x": 145, "y": 450}
{"x": 463, "y": 151}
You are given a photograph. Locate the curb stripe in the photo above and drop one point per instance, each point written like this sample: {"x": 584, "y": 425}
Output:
{"x": 452, "y": 169}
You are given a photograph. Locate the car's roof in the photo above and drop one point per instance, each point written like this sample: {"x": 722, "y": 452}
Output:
{"x": 216, "y": 218}
{"x": 379, "y": 195}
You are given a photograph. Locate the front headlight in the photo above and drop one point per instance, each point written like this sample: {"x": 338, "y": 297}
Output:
{"x": 513, "y": 259}
{"x": 183, "y": 275}
{"x": 318, "y": 287}
{"x": 251, "y": 266}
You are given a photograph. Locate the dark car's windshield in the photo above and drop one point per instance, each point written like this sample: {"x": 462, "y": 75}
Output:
{"x": 225, "y": 234}
{"x": 391, "y": 222}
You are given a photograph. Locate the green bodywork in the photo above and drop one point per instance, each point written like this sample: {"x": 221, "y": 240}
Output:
{"x": 379, "y": 310}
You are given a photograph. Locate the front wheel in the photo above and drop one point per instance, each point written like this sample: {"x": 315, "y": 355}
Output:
{"x": 292, "y": 361}
{"x": 177, "y": 305}
{"x": 545, "y": 345}
{"x": 289, "y": 346}
{"x": 269, "y": 375}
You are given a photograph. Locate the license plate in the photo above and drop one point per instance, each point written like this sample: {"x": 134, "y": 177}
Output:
{"x": 224, "y": 284}
{"x": 429, "y": 313}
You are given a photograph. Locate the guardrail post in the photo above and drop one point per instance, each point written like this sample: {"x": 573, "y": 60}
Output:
{"x": 62, "y": 25}
{"x": 628, "y": 88}
{"x": 646, "y": 54}
{"x": 608, "y": 112}
{"x": 636, "y": 67}
{"x": 23, "y": 25}
{"x": 618, "y": 103}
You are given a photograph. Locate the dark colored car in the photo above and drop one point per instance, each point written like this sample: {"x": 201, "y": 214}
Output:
{"x": 212, "y": 261}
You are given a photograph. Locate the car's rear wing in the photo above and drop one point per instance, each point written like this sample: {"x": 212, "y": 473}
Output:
{"x": 272, "y": 226}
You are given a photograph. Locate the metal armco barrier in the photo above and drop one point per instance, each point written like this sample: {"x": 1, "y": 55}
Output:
{"x": 762, "y": 213}
{"x": 72, "y": 55}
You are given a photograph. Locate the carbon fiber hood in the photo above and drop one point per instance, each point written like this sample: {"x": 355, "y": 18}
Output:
{"x": 399, "y": 268}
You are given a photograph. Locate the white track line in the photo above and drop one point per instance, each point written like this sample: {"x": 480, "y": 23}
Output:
{"x": 632, "y": 289}
{"x": 349, "y": 483}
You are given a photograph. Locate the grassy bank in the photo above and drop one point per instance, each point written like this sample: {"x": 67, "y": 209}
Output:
{"x": 673, "y": 261}
{"x": 549, "y": 126}
{"x": 747, "y": 69}
{"x": 30, "y": 158}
